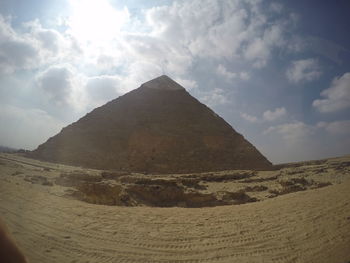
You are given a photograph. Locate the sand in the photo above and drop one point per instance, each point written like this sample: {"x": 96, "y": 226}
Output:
{"x": 306, "y": 226}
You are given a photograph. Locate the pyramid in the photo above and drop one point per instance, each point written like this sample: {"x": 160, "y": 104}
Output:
{"x": 157, "y": 128}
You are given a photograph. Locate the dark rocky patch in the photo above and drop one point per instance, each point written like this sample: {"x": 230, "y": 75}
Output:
{"x": 255, "y": 188}
{"x": 259, "y": 180}
{"x": 38, "y": 179}
{"x": 17, "y": 173}
{"x": 238, "y": 198}
{"x": 76, "y": 178}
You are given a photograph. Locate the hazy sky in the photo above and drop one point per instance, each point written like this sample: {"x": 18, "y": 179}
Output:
{"x": 277, "y": 71}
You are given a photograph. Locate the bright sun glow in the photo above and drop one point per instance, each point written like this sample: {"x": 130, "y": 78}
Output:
{"x": 96, "y": 21}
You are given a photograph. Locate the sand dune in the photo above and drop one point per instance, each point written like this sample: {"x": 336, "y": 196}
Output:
{"x": 306, "y": 226}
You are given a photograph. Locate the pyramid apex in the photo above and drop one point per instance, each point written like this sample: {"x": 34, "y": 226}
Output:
{"x": 162, "y": 82}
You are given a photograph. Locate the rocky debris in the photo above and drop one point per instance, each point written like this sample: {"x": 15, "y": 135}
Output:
{"x": 259, "y": 179}
{"x": 38, "y": 179}
{"x": 128, "y": 190}
{"x": 76, "y": 178}
{"x": 292, "y": 185}
{"x": 154, "y": 195}
{"x": 256, "y": 188}
{"x": 193, "y": 183}
{"x": 115, "y": 175}
{"x": 316, "y": 185}
{"x": 237, "y": 197}
{"x": 227, "y": 177}
{"x": 123, "y": 188}
{"x": 100, "y": 193}
{"x": 157, "y": 128}
{"x": 170, "y": 195}
{"x": 340, "y": 166}
{"x": 17, "y": 173}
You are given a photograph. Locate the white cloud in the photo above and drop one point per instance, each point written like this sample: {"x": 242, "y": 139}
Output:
{"x": 337, "y": 97}
{"x": 336, "y": 127}
{"x": 215, "y": 97}
{"x": 16, "y": 51}
{"x": 169, "y": 42}
{"x": 249, "y": 118}
{"x": 221, "y": 70}
{"x": 31, "y": 47}
{"x": 261, "y": 45}
{"x": 303, "y": 70}
{"x": 188, "y": 84}
{"x": 101, "y": 89}
{"x": 49, "y": 39}
{"x": 274, "y": 115}
{"x": 218, "y": 29}
{"x": 62, "y": 86}
{"x": 276, "y": 7}
{"x": 244, "y": 75}
{"x": 292, "y": 132}
{"x": 171, "y": 39}
{"x": 268, "y": 116}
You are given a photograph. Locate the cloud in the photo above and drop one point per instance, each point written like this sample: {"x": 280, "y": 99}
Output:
{"x": 208, "y": 28}
{"x": 298, "y": 141}
{"x": 292, "y": 132}
{"x": 170, "y": 41}
{"x": 213, "y": 98}
{"x": 276, "y": 7}
{"x": 244, "y": 75}
{"x": 188, "y": 84}
{"x": 249, "y": 118}
{"x": 268, "y": 116}
{"x": 26, "y": 128}
{"x": 31, "y": 46}
{"x": 337, "y": 97}
{"x": 326, "y": 48}
{"x": 222, "y": 71}
{"x": 336, "y": 127}
{"x": 16, "y": 51}
{"x": 274, "y": 115}
{"x": 218, "y": 29}
{"x": 48, "y": 39}
{"x": 229, "y": 76}
{"x": 303, "y": 71}
{"x": 62, "y": 85}
{"x": 101, "y": 89}
{"x": 261, "y": 45}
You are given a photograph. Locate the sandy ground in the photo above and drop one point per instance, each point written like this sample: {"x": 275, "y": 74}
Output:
{"x": 306, "y": 226}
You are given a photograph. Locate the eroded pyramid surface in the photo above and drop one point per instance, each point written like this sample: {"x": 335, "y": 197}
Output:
{"x": 157, "y": 128}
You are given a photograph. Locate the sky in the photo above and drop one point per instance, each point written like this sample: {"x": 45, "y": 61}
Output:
{"x": 277, "y": 71}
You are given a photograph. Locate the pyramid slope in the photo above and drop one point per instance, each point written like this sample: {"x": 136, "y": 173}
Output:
{"x": 157, "y": 128}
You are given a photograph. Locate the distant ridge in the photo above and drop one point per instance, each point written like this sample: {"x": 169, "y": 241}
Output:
{"x": 157, "y": 128}
{"x": 5, "y": 149}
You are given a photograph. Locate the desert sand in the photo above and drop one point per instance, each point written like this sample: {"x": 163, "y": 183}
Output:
{"x": 308, "y": 222}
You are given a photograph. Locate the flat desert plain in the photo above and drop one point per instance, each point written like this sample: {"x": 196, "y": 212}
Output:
{"x": 297, "y": 213}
